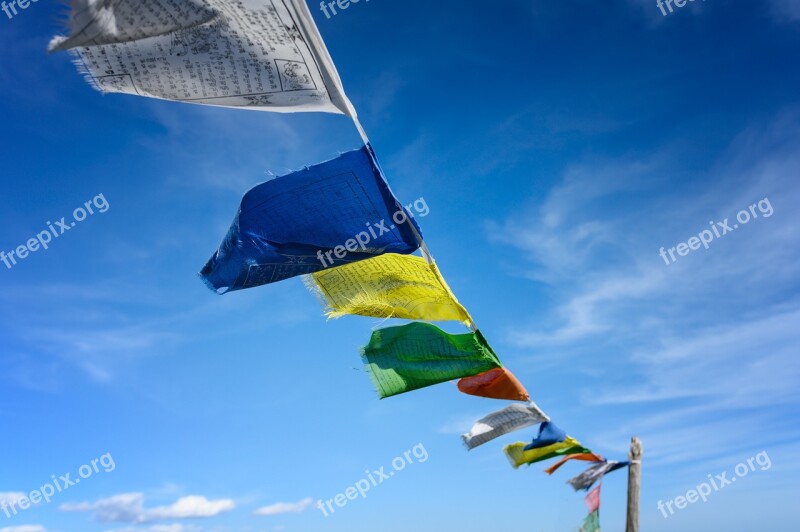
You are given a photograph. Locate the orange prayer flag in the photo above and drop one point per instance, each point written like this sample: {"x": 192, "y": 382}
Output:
{"x": 586, "y": 457}
{"x": 497, "y": 383}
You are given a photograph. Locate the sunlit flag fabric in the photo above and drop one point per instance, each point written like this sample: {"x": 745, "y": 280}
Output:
{"x": 255, "y": 54}
{"x": 548, "y": 435}
{"x": 595, "y": 472}
{"x": 389, "y": 286}
{"x": 518, "y": 456}
{"x": 496, "y": 424}
{"x": 413, "y": 356}
{"x": 591, "y": 523}
{"x": 94, "y": 22}
{"x": 585, "y": 457}
{"x": 293, "y": 224}
{"x": 498, "y": 383}
{"x": 593, "y": 499}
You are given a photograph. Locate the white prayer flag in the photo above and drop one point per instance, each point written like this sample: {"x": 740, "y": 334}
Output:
{"x": 595, "y": 472}
{"x": 502, "y": 422}
{"x": 255, "y": 54}
{"x": 93, "y": 22}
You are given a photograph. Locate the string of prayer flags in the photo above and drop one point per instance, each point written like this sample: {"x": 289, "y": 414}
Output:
{"x": 308, "y": 220}
{"x": 250, "y": 54}
{"x": 591, "y": 523}
{"x": 496, "y": 424}
{"x": 548, "y": 435}
{"x": 331, "y": 222}
{"x": 595, "y": 472}
{"x": 409, "y": 357}
{"x": 518, "y": 456}
{"x": 586, "y": 457}
{"x": 94, "y": 22}
{"x": 388, "y": 286}
{"x": 498, "y": 383}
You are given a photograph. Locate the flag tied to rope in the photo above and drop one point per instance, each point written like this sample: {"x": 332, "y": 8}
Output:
{"x": 593, "y": 499}
{"x": 250, "y": 54}
{"x": 585, "y": 457}
{"x": 591, "y": 523}
{"x": 548, "y": 435}
{"x": 496, "y": 424}
{"x": 300, "y": 223}
{"x": 413, "y": 356}
{"x": 595, "y": 472}
{"x": 518, "y": 456}
{"x": 389, "y": 286}
{"x": 498, "y": 383}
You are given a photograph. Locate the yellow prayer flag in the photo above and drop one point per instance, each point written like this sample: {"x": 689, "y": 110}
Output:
{"x": 388, "y": 286}
{"x": 518, "y": 456}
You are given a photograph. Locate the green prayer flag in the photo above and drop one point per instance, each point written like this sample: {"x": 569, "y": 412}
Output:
{"x": 413, "y": 356}
{"x": 592, "y": 522}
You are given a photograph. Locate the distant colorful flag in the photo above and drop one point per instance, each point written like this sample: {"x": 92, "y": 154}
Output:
{"x": 586, "y": 457}
{"x": 253, "y": 54}
{"x": 496, "y": 424}
{"x": 518, "y": 456}
{"x": 593, "y": 499}
{"x": 413, "y": 356}
{"x": 290, "y": 225}
{"x": 548, "y": 435}
{"x": 389, "y": 286}
{"x": 591, "y": 523}
{"x": 498, "y": 383}
{"x": 595, "y": 472}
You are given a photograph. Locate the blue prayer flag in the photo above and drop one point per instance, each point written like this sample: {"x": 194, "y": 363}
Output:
{"x": 548, "y": 435}
{"x": 329, "y": 214}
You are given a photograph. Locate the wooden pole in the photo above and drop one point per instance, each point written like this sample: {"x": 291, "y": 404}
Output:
{"x": 634, "y": 483}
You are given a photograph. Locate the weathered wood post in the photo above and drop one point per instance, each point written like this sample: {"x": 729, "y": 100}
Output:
{"x": 634, "y": 483}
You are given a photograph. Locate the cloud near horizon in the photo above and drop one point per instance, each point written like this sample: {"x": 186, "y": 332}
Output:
{"x": 129, "y": 508}
{"x": 285, "y": 507}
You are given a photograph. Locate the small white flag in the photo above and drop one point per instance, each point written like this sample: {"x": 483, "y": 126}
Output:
{"x": 502, "y": 422}
{"x": 595, "y": 472}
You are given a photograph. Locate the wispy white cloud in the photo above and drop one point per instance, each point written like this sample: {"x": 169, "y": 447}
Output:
{"x": 24, "y": 528}
{"x": 10, "y": 497}
{"x": 604, "y": 260}
{"x": 754, "y": 358}
{"x": 86, "y": 328}
{"x": 129, "y": 508}
{"x": 174, "y": 527}
{"x": 786, "y": 10}
{"x": 285, "y": 507}
{"x": 707, "y": 342}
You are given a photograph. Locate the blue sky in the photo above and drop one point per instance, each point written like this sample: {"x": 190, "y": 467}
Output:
{"x": 559, "y": 146}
